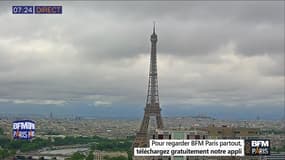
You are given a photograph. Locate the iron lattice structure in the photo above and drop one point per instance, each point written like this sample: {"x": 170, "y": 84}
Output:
{"x": 152, "y": 108}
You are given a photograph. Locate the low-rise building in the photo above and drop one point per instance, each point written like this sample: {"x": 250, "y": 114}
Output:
{"x": 225, "y": 132}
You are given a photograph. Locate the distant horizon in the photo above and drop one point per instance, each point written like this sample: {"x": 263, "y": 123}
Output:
{"x": 137, "y": 113}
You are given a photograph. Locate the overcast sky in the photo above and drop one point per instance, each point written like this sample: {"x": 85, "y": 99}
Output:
{"x": 97, "y": 53}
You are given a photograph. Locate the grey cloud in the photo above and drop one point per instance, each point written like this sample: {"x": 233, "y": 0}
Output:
{"x": 102, "y": 49}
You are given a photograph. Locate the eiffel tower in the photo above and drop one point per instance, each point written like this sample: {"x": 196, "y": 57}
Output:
{"x": 152, "y": 108}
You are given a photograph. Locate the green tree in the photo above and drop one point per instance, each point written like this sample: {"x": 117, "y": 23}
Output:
{"x": 130, "y": 154}
{"x": 1, "y": 131}
{"x": 90, "y": 156}
{"x": 106, "y": 157}
{"x": 93, "y": 147}
{"x": 4, "y": 153}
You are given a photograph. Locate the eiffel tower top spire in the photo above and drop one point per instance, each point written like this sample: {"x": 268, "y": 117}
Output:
{"x": 153, "y": 27}
{"x": 153, "y": 37}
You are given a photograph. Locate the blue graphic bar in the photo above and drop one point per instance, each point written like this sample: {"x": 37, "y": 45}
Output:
{"x": 48, "y": 9}
{"x": 22, "y": 9}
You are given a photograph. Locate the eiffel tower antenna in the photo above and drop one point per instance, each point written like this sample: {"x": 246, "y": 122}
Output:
{"x": 152, "y": 108}
{"x": 153, "y": 32}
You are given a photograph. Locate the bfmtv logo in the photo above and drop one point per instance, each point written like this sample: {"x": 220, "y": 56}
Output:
{"x": 260, "y": 143}
{"x": 23, "y": 129}
{"x": 257, "y": 147}
{"x": 24, "y": 125}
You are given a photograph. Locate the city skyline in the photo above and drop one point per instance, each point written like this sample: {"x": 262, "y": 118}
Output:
{"x": 225, "y": 58}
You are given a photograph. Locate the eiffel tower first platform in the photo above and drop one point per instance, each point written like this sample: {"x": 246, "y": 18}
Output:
{"x": 152, "y": 108}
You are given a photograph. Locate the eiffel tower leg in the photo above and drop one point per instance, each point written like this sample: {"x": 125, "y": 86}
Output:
{"x": 159, "y": 121}
{"x": 141, "y": 137}
{"x": 145, "y": 123}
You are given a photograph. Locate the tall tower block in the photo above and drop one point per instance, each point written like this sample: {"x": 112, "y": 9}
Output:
{"x": 152, "y": 108}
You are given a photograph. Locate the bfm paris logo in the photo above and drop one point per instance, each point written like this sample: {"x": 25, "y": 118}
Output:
{"x": 257, "y": 147}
